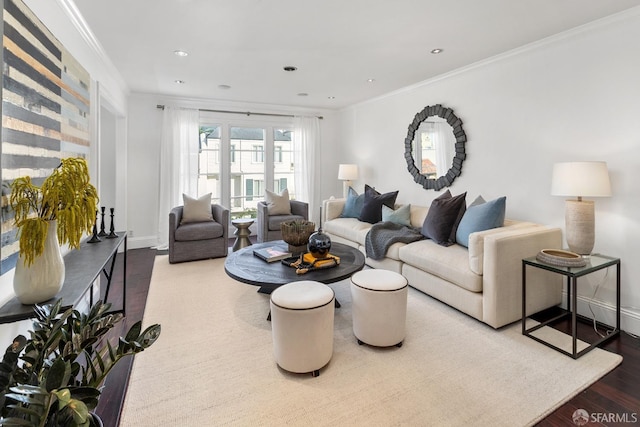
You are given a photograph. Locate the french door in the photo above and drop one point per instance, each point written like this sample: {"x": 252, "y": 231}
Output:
{"x": 238, "y": 161}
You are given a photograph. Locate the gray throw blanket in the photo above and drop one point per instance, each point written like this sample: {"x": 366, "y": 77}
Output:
{"x": 384, "y": 234}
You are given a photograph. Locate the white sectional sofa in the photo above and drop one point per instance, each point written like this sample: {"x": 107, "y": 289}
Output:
{"x": 483, "y": 281}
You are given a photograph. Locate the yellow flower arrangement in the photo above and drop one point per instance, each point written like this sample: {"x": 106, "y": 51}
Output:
{"x": 66, "y": 195}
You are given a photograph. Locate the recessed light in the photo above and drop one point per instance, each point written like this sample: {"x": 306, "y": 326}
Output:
{"x": 224, "y": 87}
{"x": 180, "y": 82}
{"x": 436, "y": 51}
{"x": 331, "y": 97}
{"x": 371, "y": 80}
{"x": 303, "y": 94}
{"x": 289, "y": 68}
{"x": 180, "y": 53}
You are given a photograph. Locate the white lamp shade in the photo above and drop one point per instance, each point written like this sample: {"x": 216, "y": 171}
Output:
{"x": 581, "y": 179}
{"x": 348, "y": 172}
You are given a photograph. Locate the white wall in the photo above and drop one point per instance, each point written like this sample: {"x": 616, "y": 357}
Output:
{"x": 145, "y": 125}
{"x": 107, "y": 158}
{"x": 570, "y": 97}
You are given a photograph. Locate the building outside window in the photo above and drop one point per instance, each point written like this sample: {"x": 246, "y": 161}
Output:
{"x": 283, "y": 161}
{"x": 237, "y": 163}
{"x": 258, "y": 154}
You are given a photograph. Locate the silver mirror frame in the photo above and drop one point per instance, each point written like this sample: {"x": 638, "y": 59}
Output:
{"x": 461, "y": 138}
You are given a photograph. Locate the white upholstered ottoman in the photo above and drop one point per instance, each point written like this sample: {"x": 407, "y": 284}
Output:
{"x": 379, "y": 307}
{"x": 302, "y": 326}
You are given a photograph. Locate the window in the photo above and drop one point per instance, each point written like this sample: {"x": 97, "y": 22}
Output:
{"x": 283, "y": 161}
{"x": 254, "y": 188}
{"x": 248, "y": 170}
{"x": 209, "y": 162}
{"x": 240, "y": 158}
{"x": 258, "y": 154}
{"x": 280, "y": 184}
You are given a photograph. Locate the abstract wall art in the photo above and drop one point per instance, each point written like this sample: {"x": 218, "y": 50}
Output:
{"x": 45, "y": 109}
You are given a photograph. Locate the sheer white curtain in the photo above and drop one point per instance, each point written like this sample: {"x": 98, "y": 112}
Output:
{"x": 444, "y": 145}
{"x": 306, "y": 161}
{"x": 178, "y": 164}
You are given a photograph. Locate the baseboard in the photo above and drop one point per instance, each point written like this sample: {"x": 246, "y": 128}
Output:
{"x": 141, "y": 242}
{"x": 605, "y": 312}
{"x": 152, "y": 241}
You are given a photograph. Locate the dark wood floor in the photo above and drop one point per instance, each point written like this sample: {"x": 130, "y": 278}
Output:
{"x": 617, "y": 393}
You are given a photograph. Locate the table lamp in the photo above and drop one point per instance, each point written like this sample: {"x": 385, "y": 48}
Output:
{"x": 580, "y": 179}
{"x": 347, "y": 173}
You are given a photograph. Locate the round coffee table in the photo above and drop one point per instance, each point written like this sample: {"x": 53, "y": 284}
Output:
{"x": 245, "y": 267}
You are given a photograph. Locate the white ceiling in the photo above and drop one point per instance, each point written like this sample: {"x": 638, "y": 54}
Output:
{"x": 335, "y": 44}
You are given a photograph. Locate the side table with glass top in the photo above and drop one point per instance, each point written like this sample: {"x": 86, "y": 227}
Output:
{"x": 595, "y": 263}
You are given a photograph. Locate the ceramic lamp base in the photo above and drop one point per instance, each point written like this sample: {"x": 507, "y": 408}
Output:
{"x": 580, "y": 226}
{"x": 345, "y": 188}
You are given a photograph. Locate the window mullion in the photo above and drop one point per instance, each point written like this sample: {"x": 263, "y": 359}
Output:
{"x": 225, "y": 165}
{"x": 268, "y": 158}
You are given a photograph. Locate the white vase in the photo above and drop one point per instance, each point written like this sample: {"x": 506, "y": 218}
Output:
{"x": 43, "y": 279}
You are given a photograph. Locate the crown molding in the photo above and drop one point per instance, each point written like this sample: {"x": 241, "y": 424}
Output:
{"x": 573, "y": 32}
{"x": 73, "y": 14}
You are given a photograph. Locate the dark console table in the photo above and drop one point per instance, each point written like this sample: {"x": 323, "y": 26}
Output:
{"x": 82, "y": 268}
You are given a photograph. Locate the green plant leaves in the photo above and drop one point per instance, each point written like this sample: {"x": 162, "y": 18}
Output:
{"x": 58, "y": 376}
{"x": 65, "y": 362}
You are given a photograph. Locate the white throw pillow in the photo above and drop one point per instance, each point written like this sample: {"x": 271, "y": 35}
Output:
{"x": 196, "y": 210}
{"x": 278, "y": 204}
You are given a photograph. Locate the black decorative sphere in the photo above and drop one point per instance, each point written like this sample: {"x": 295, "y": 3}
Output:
{"x": 319, "y": 244}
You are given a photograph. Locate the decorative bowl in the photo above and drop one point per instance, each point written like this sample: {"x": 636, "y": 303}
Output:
{"x": 561, "y": 258}
{"x": 296, "y": 233}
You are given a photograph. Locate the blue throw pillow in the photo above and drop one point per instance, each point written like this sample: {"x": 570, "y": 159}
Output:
{"x": 401, "y": 216}
{"x": 353, "y": 205}
{"x": 484, "y": 216}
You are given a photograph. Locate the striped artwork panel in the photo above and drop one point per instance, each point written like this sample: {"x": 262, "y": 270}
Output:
{"x": 45, "y": 110}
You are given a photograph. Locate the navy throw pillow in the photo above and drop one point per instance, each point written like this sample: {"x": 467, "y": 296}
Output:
{"x": 443, "y": 218}
{"x": 372, "y": 206}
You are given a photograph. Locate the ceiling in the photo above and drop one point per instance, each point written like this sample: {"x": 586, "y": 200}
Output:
{"x": 336, "y": 45}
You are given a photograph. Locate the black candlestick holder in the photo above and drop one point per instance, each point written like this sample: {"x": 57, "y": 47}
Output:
{"x": 102, "y": 233}
{"x": 112, "y": 234}
{"x": 95, "y": 238}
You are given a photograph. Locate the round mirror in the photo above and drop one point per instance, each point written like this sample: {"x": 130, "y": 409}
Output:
{"x": 434, "y": 147}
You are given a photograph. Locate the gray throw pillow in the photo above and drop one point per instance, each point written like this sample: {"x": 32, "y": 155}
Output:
{"x": 278, "y": 204}
{"x": 196, "y": 210}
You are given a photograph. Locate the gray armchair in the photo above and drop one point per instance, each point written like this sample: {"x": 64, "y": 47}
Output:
{"x": 269, "y": 225}
{"x": 198, "y": 240}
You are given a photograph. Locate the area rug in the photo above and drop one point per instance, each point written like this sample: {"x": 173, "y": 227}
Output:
{"x": 213, "y": 365}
